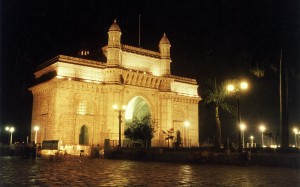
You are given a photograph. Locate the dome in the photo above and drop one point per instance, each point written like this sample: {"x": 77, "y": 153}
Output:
{"x": 115, "y": 27}
{"x": 164, "y": 40}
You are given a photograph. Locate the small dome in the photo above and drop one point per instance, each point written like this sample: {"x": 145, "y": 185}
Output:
{"x": 115, "y": 27}
{"x": 164, "y": 40}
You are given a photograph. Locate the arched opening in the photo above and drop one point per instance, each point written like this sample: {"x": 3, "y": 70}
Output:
{"x": 178, "y": 140}
{"x": 84, "y": 135}
{"x": 137, "y": 107}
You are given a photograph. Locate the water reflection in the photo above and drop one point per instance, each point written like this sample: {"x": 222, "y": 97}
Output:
{"x": 185, "y": 174}
{"x": 79, "y": 171}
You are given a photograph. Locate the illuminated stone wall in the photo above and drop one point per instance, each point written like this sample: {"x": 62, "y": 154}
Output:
{"x": 74, "y": 97}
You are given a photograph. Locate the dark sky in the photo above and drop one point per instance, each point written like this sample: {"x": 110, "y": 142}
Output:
{"x": 220, "y": 39}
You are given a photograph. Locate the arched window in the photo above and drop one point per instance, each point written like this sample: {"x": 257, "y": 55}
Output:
{"x": 84, "y": 135}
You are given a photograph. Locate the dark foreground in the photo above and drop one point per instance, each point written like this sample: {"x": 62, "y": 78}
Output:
{"x": 83, "y": 171}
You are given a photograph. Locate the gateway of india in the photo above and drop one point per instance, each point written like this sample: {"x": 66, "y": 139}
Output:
{"x": 73, "y": 97}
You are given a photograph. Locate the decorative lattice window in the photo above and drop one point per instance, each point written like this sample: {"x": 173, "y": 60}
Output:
{"x": 82, "y": 108}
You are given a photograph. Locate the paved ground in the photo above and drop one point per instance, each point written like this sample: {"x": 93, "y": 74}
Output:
{"x": 80, "y": 171}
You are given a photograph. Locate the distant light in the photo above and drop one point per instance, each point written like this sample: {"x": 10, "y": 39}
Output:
{"x": 242, "y": 126}
{"x": 59, "y": 77}
{"x": 295, "y": 130}
{"x": 115, "y": 107}
{"x": 244, "y": 85}
{"x": 262, "y": 128}
{"x": 251, "y": 137}
{"x": 273, "y": 146}
{"x": 10, "y": 129}
{"x": 230, "y": 87}
{"x": 69, "y": 78}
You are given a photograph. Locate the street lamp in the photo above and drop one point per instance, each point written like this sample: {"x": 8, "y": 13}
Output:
{"x": 237, "y": 89}
{"x": 242, "y": 129}
{"x": 187, "y": 124}
{"x": 11, "y": 130}
{"x": 120, "y": 110}
{"x": 262, "y": 128}
{"x": 296, "y": 132}
{"x": 251, "y": 138}
{"x": 36, "y": 128}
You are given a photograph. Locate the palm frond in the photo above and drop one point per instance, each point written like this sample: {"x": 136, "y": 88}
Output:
{"x": 231, "y": 110}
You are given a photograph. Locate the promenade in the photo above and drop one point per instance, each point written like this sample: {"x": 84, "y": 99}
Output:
{"x": 85, "y": 171}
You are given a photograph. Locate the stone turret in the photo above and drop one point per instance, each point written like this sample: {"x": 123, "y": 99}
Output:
{"x": 114, "y": 44}
{"x": 164, "y": 49}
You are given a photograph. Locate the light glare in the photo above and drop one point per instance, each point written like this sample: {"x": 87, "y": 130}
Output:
{"x": 230, "y": 87}
{"x": 244, "y": 85}
{"x": 262, "y": 128}
{"x": 36, "y": 128}
{"x": 242, "y": 126}
{"x": 295, "y": 130}
{"x": 116, "y": 107}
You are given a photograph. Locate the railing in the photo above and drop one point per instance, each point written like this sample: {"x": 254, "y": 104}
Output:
{"x": 155, "y": 143}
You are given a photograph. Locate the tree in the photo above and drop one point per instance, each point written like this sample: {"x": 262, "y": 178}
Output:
{"x": 216, "y": 96}
{"x": 142, "y": 128}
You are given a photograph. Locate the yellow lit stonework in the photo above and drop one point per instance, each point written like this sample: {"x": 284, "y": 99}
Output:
{"x": 73, "y": 97}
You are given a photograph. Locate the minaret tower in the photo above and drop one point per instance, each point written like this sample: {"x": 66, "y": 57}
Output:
{"x": 114, "y": 44}
{"x": 164, "y": 49}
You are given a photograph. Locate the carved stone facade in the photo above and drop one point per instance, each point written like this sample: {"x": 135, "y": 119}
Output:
{"x": 73, "y": 97}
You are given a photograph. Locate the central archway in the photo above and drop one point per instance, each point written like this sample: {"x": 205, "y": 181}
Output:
{"x": 137, "y": 107}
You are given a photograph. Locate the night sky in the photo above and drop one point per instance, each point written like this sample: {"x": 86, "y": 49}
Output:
{"x": 222, "y": 39}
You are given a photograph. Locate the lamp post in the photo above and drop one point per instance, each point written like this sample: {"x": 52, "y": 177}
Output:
{"x": 298, "y": 136}
{"x": 119, "y": 110}
{"x": 237, "y": 89}
{"x": 187, "y": 124}
{"x": 11, "y": 130}
{"x": 262, "y": 128}
{"x": 36, "y": 128}
{"x": 251, "y": 138}
{"x": 242, "y": 129}
{"x": 296, "y": 132}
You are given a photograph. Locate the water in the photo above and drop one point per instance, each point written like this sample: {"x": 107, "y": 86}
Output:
{"x": 82, "y": 171}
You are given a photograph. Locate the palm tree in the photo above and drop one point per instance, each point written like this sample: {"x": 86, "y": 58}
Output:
{"x": 282, "y": 71}
{"x": 216, "y": 96}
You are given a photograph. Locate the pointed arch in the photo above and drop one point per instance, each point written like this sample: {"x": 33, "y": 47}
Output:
{"x": 137, "y": 107}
